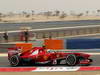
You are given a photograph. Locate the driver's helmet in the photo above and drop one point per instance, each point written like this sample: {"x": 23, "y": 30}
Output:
{"x": 48, "y": 50}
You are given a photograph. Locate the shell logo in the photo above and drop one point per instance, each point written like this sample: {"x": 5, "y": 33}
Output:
{"x": 45, "y": 57}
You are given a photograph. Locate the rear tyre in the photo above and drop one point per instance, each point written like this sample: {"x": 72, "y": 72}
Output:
{"x": 71, "y": 60}
{"x": 15, "y": 60}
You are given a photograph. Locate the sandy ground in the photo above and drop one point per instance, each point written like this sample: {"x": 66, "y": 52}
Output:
{"x": 40, "y": 18}
{"x": 52, "y": 73}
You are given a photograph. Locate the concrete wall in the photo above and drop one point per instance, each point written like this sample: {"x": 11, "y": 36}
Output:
{"x": 54, "y": 33}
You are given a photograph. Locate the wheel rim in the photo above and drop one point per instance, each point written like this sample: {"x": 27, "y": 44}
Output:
{"x": 14, "y": 60}
{"x": 71, "y": 60}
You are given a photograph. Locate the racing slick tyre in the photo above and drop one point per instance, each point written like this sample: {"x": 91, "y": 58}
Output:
{"x": 71, "y": 60}
{"x": 15, "y": 60}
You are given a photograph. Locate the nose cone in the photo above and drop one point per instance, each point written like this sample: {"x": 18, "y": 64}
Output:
{"x": 86, "y": 55}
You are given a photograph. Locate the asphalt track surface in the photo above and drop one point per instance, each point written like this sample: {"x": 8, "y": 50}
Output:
{"x": 4, "y": 62}
{"x": 52, "y": 24}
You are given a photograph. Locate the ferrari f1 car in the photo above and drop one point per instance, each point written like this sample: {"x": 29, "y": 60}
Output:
{"x": 39, "y": 55}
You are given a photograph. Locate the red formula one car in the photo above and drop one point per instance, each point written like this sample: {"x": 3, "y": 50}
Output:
{"x": 39, "y": 55}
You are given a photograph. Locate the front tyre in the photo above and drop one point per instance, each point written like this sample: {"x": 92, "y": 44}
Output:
{"x": 15, "y": 60}
{"x": 71, "y": 60}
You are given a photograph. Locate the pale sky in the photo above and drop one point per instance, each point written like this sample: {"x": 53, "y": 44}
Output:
{"x": 44, "y": 5}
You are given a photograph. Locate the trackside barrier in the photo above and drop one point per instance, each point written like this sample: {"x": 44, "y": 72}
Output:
{"x": 75, "y": 31}
{"x": 62, "y": 50}
{"x": 83, "y": 43}
{"x": 44, "y": 69}
{"x": 54, "y": 44}
{"x": 78, "y": 43}
{"x": 37, "y": 43}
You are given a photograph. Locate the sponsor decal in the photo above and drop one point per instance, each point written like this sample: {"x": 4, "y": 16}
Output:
{"x": 57, "y": 69}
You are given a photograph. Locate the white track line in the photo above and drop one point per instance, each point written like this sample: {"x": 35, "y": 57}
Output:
{"x": 93, "y": 53}
{"x": 3, "y": 54}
